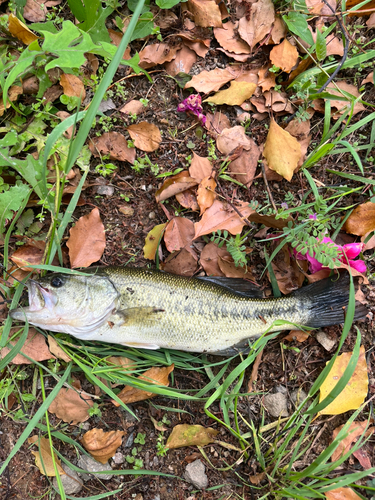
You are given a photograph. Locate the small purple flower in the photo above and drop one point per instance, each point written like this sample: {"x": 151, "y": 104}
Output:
{"x": 313, "y": 216}
{"x": 193, "y": 103}
{"x": 284, "y": 205}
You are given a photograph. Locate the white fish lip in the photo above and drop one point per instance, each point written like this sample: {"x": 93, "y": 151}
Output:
{"x": 36, "y": 301}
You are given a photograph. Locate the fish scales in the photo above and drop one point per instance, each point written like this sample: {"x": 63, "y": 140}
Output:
{"x": 151, "y": 309}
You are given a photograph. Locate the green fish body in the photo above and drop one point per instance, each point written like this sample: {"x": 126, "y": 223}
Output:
{"x": 152, "y": 309}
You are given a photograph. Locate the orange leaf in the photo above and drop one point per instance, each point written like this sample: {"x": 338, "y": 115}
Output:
{"x": 178, "y": 234}
{"x": 115, "y": 145}
{"x": 342, "y": 494}
{"x": 355, "y": 430}
{"x": 206, "y": 13}
{"x": 87, "y": 240}
{"x": 284, "y": 56}
{"x": 222, "y": 216}
{"x": 362, "y": 220}
{"x": 13, "y": 94}
{"x": 182, "y": 63}
{"x": 206, "y": 193}
{"x": 282, "y": 151}
{"x": 156, "y": 375}
{"x": 102, "y": 445}
{"x": 19, "y": 30}
{"x": 72, "y": 85}
{"x": 146, "y": 136}
{"x": 209, "y": 81}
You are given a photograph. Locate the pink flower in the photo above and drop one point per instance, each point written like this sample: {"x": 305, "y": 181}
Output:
{"x": 193, "y": 103}
{"x": 346, "y": 254}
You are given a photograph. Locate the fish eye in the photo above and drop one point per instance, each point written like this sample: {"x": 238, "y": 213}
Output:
{"x": 57, "y": 282}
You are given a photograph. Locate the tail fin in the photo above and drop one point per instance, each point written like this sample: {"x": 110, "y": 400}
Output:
{"x": 328, "y": 300}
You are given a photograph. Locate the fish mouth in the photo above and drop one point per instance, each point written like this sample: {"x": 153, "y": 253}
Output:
{"x": 37, "y": 301}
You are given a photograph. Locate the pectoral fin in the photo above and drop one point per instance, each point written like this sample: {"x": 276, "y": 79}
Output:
{"x": 141, "y": 345}
{"x": 134, "y": 315}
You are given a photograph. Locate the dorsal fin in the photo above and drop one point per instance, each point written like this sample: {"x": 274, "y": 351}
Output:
{"x": 235, "y": 285}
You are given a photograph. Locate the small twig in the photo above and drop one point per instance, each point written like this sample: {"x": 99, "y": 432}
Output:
{"x": 268, "y": 187}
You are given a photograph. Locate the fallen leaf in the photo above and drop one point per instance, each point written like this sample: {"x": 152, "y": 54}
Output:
{"x": 133, "y": 107}
{"x": 209, "y": 259}
{"x": 152, "y": 241}
{"x": 175, "y": 184}
{"x": 35, "y": 11}
{"x": 287, "y": 272}
{"x": 355, "y": 430}
{"x": 73, "y": 86}
{"x": 56, "y": 350}
{"x": 362, "y": 220}
{"x": 178, "y": 234}
{"x": 254, "y": 27}
{"x": 126, "y": 210}
{"x": 156, "y": 375}
{"x": 371, "y": 21}
{"x": 236, "y": 57}
{"x": 35, "y": 347}
{"x": 282, "y": 151}
{"x": 206, "y": 13}
{"x": 370, "y": 243}
{"x": 188, "y": 199}
{"x": 146, "y": 136}
{"x": 182, "y": 263}
{"x": 230, "y": 270}
{"x": 157, "y": 53}
{"x": 277, "y": 101}
{"x": 13, "y": 94}
{"x": 237, "y": 93}
{"x": 222, "y": 216}
{"x": 200, "y": 167}
{"x": 28, "y": 255}
{"x": 299, "y": 130}
{"x": 298, "y": 335}
{"x": 206, "y": 193}
{"x": 284, "y": 56}
{"x": 217, "y": 122}
{"x": 343, "y": 106}
{"x": 102, "y": 445}
{"x": 342, "y": 494}
{"x": 190, "y": 435}
{"x": 115, "y": 145}
{"x": 232, "y": 138}
{"x": 182, "y": 63}
{"x": 364, "y": 11}
{"x": 267, "y": 80}
{"x": 116, "y": 37}
{"x": 355, "y": 391}
{"x": 269, "y": 220}
{"x": 244, "y": 167}
{"x": 229, "y": 40}
{"x": 122, "y": 362}
{"x": 71, "y": 406}
{"x": 86, "y": 241}
{"x": 20, "y": 31}
{"x": 369, "y": 79}
{"x": 63, "y": 115}
{"x": 210, "y": 81}
{"x": 279, "y": 31}
{"x": 43, "y": 457}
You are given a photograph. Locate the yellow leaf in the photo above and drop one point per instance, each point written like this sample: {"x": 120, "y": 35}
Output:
{"x": 152, "y": 241}
{"x": 190, "y": 435}
{"x": 19, "y": 30}
{"x": 43, "y": 457}
{"x": 355, "y": 391}
{"x": 236, "y": 95}
{"x": 282, "y": 151}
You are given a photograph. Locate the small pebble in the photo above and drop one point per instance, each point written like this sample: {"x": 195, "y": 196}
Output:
{"x": 92, "y": 466}
{"x": 71, "y": 481}
{"x": 276, "y": 404}
{"x": 105, "y": 190}
{"x": 325, "y": 341}
{"x": 119, "y": 458}
{"x": 152, "y": 215}
{"x": 127, "y": 210}
{"x": 130, "y": 440}
{"x": 195, "y": 474}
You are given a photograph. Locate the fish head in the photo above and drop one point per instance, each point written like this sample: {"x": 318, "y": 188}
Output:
{"x": 69, "y": 303}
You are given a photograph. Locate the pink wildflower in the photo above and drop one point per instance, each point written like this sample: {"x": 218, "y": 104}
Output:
{"x": 346, "y": 254}
{"x": 193, "y": 103}
{"x": 313, "y": 216}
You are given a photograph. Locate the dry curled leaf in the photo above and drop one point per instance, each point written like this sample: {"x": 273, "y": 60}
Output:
{"x": 206, "y": 13}
{"x": 174, "y": 185}
{"x": 73, "y": 86}
{"x": 56, "y": 350}
{"x": 244, "y": 167}
{"x": 43, "y": 457}
{"x": 146, "y": 136}
{"x": 152, "y": 241}
{"x": 133, "y": 107}
{"x": 342, "y": 494}
{"x": 115, "y": 145}
{"x": 355, "y": 430}
{"x": 182, "y": 63}
{"x": 282, "y": 151}
{"x": 28, "y": 255}
{"x": 229, "y": 40}
{"x": 190, "y": 435}
{"x": 232, "y": 138}
{"x": 182, "y": 263}
{"x": 343, "y": 106}
{"x": 284, "y": 56}
{"x": 86, "y": 242}
{"x": 158, "y": 53}
{"x": 254, "y": 27}
{"x": 102, "y": 445}
{"x": 35, "y": 11}
{"x": 19, "y": 30}
{"x": 210, "y": 81}
{"x": 200, "y": 167}
{"x": 235, "y": 95}
{"x": 13, "y": 94}
{"x": 206, "y": 193}
{"x": 178, "y": 234}
{"x": 71, "y": 406}
{"x": 35, "y": 347}
{"x": 156, "y": 375}
{"x": 362, "y": 220}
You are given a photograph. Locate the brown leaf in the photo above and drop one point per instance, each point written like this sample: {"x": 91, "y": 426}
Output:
{"x": 231, "y": 138}
{"x": 175, "y": 184}
{"x": 190, "y": 435}
{"x": 258, "y": 24}
{"x": 125, "y": 363}
{"x": 282, "y": 151}
{"x": 63, "y": 115}
{"x": 217, "y": 123}
{"x": 269, "y": 220}
{"x": 298, "y": 335}
{"x": 267, "y": 80}
{"x": 287, "y": 273}
{"x": 35, "y": 11}
{"x": 362, "y": 220}
{"x": 229, "y": 40}
{"x": 230, "y": 270}
{"x": 56, "y": 350}
{"x": 363, "y": 11}
{"x": 156, "y": 375}
{"x": 222, "y": 216}
{"x": 43, "y": 457}
{"x": 284, "y": 56}
{"x": 155, "y": 54}
{"x": 200, "y": 167}
{"x": 73, "y": 86}
{"x": 116, "y": 37}
{"x": 71, "y": 406}
{"x": 86, "y": 242}
{"x": 115, "y": 145}
{"x": 209, "y": 259}
{"x": 371, "y": 21}
{"x": 13, "y": 94}
{"x": 182, "y": 63}
{"x": 152, "y": 241}
{"x": 206, "y": 193}
{"x": 342, "y": 106}
{"x": 355, "y": 430}
{"x": 28, "y": 255}
{"x": 183, "y": 263}
{"x": 369, "y": 79}
{"x": 206, "y": 13}
{"x": 236, "y": 57}
{"x": 342, "y": 494}
{"x": 19, "y": 30}
{"x": 279, "y": 31}
{"x": 133, "y": 107}
{"x": 35, "y": 347}
{"x": 244, "y": 167}
{"x": 188, "y": 200}
{"x": 235, "y": 95}
{"x": 179, "y": 234}
{"x": 102, "y": 445}
{"x": 146, "y": 136}
{"x": 209, "y": 81}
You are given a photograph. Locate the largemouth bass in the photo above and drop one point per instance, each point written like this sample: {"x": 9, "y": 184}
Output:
{"x": 152, "y": 309}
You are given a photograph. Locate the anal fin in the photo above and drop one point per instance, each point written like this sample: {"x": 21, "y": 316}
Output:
{"x": 141, "y": 345}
